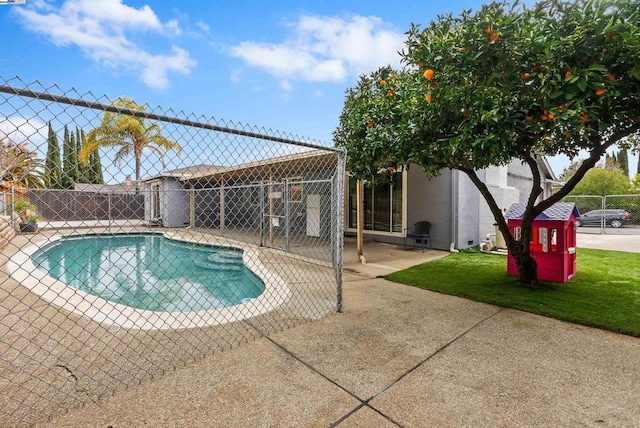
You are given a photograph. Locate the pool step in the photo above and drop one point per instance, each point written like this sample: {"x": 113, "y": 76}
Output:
{"x": 219, "y": 262}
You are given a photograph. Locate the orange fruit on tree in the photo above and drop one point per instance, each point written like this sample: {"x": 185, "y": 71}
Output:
{"x": 370, "y": 124}
{"x": 383, "y": 83}
{"x": 428, "y": 74}
{"x": 428, "y": 97}
{"x": 528, "y": 118}
{"x": 494, "y": 37}
{"x": 584, "y": 118}
{"x": 600, "y": 91}
{"x": 488, "y": 30}
{"x": 544, "y": 117}
{"x": 611, "y": 77}
{"x": 526, "y": 76}
{"x": 550, "y": 116}
{"x": 390, "y": 94}
{"x": 567, "y": 74}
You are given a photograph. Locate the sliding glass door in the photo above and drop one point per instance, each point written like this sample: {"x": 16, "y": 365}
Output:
{"x": 382, "y": 204}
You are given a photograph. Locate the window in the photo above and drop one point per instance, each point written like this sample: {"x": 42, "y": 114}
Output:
{"x": 382, "y": 204}
{"x": 295, "y": 189}
{"x": 517, "y": 232}
{"x": 543, "y": 239}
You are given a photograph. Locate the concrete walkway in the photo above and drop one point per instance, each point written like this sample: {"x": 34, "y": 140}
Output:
{"x": 396, "y": 356}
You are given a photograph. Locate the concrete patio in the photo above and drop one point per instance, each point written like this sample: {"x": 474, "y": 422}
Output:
{"x": 396, "y": 356}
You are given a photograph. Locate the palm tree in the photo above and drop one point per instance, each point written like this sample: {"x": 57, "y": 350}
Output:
{"x": 19, "y": 165}
{"x": 132, "y": 134}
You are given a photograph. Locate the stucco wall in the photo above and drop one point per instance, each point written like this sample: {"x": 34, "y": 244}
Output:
{"x": 174, "y": 203}
{"x": 468, "y": 206}
{"x": 519, "y": 176}
{"x": 430, "y": 200}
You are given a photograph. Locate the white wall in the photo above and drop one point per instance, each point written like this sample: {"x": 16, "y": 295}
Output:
{"x": 174, "y": 203}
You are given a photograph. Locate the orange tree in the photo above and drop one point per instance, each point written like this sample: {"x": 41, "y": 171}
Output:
{"x": 506, "y": 82}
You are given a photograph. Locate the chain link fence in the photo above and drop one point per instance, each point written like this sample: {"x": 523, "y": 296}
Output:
{"x": 140, "y": 240}
{"x": 610, "y": 214}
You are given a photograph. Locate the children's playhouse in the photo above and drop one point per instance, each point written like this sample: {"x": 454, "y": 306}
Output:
{"x": 553, "y": 242}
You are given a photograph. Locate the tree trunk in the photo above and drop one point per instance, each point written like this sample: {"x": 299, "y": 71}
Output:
{"x": 527, "y": 266}
{"x": 137, "y": 174}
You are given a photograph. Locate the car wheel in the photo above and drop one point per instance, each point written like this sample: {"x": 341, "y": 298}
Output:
{"x": 578, "y": 223}
{"x": 616, "y": 223}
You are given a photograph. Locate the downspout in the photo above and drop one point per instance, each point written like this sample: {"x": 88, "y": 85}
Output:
{"x": 454, "y": 210}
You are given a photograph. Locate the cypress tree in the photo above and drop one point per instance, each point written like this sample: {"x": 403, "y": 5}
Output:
{"x": 67, "y": 158}
{"x": 83, "y": 174}
{"x": 76, "y": 169}
{"x": 623, "y": 160}
{"x": 53, "y": 165}
{"x": 95, "y": 165}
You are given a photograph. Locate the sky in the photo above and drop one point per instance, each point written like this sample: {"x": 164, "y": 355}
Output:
{"x": 280, "y": 65}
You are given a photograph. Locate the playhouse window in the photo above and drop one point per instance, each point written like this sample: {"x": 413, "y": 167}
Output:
{"x": 517, "y": 233}
{"x": 543, "y": 239}
{"x": 553, "y": 240}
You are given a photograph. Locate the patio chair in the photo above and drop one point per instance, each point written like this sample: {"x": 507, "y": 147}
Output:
{"x": 421, "y": 231}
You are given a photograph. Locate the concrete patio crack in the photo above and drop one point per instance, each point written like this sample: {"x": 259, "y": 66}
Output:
{"x": 429, "y": 357}
{"x": 366, "y": 402}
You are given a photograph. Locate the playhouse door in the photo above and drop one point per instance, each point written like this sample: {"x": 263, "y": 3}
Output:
{"x": 571, "y": 249}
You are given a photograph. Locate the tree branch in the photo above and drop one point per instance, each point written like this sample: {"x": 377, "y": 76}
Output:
{"x": 596, "y": 153}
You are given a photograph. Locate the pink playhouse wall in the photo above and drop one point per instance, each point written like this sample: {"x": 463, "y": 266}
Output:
{"x": 553, "y": 246}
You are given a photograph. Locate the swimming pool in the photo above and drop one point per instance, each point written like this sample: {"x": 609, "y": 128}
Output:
{"x": 151, "y": 272}
{"x": 149, "y": 280}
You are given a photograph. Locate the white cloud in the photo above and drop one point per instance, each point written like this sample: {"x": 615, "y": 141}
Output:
{"x": 19, "y": 130}
{"x": 286, "y": 86}
{"x": 203, "y": 26}
{"x": 326, "y": 49}
{"x": 103, "y": 29}
{"x": 235, "y": 76}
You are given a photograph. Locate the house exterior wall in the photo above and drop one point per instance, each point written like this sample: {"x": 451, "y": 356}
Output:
{"x": 519, "y": 177}
{"x": 506, "y": 188}
{"x": 467, "y": 217}
{"x": 174, "y": 203}
{"x": 430, "y": 200}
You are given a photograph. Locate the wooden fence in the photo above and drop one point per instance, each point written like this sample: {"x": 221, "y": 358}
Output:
{"x": 69, "y": 205}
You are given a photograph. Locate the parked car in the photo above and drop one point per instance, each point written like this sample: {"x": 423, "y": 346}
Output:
{"x": 613, "y": 218}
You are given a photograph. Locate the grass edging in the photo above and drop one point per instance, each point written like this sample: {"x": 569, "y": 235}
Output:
{"x": 605, "y": 293}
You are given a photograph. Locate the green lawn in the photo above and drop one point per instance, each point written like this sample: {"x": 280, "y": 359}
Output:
{"x": 605, "y": 293}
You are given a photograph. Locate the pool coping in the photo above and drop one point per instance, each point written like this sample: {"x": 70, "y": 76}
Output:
{"x": 22, "y": 269}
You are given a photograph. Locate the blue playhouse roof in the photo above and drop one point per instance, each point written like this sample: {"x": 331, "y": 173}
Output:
{"x": 559, "y": 211}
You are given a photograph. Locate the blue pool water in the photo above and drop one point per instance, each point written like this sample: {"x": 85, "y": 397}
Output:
{"x": 151, "y": 272}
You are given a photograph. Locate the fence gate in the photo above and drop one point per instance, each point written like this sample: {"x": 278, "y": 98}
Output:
{"x": 610, "y": 214}
{"x": 111, "y": 275}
